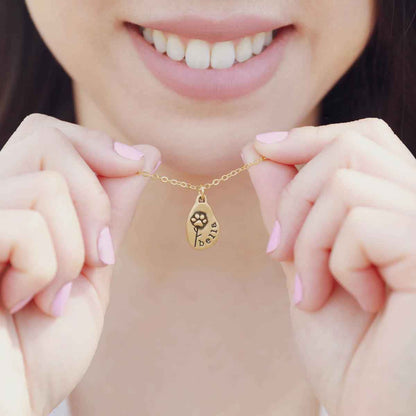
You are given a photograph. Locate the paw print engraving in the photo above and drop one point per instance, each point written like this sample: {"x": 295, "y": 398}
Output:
{"x": 199, "y": 220}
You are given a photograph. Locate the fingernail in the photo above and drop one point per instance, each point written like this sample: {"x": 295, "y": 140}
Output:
{"x": 20, "y": 305}
{"x": 105, "y": 246}
{"x": 274, "y": 239}
{"x": 157, "y": 165}
{"x": 298, "y": 291}
{"x": 61, "y": 298}
{"x": 127, "y": 151}
{"x": 272, "y": 137}
{"x": 243, "y": 157}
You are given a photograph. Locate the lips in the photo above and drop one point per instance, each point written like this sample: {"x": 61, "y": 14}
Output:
{"x": 207, "y": 60}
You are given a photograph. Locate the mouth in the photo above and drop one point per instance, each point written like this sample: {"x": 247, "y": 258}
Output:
{"x": 205, "y": 59}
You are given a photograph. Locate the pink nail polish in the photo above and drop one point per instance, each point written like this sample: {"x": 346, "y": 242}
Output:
{"x": 127, "y": 151}
{"x": 272, "y": 137}
{"x": 298, "y": 291}
{"x": 243, "y": 157}
{"x": 61, "y": 298}
{"x": 274, "y": 239}
{"x": 20, "y": 305}
{"x": 156, "y": 167}
{"x": 105, "y": 246}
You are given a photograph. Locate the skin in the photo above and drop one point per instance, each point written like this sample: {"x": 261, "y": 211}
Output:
{"x": 223, "y": 316}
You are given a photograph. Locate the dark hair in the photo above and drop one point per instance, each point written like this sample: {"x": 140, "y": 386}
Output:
{"x": 380, "y": 83}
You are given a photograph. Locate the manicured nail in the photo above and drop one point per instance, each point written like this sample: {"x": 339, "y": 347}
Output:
{"x": 20, "y": 305}
{"x": 243, "y": 157}
{"x": 61, "y": 298}
{"x": 274, "y": 239}
{"x": 157, "y": 165}
{"x": 298, "y": 291}
{"x": 272, "y": 137}
{"x": 105, "y": 246}
{"x": 127, "y": 151}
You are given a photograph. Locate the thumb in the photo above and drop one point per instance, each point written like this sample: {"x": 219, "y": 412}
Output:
{"x": 268, "y": 179}
{"x": 124, "y": 193}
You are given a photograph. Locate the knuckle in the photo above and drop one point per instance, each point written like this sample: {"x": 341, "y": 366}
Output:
{"x": 52, "y": 183}
{"x": 353, "y": 225}
{"x": 347, "y": 140}
{"x": 377, "y": 124}
{"x": 76, "y": 261}
{"x": 340, "y": 182}
{"x": 295, "y": 194}
{"x": 350, "y": 148}
{"x": 45, "y": 272}
{"x": 356, "y": 217}
{"x": 49, "y": 136}
{"x": 34, "y": 119}
{"x": 35, "y": 222}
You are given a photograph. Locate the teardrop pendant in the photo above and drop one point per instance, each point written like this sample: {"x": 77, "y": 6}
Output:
{"x": 202, "y": 227}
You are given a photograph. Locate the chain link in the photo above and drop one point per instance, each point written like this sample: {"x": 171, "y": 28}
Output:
{"x": 214, "y": 182}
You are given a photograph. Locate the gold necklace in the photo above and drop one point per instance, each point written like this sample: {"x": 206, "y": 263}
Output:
{"x": 202, "y": 228}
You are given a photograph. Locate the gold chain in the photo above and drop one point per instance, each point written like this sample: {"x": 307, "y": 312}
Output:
{"x": 216, "y": 181}
{"x": 202, "y": 227}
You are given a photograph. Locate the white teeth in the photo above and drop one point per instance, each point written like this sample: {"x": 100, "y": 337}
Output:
{"x": 197, "y": 54}
{"x": 258, "y": 42}
{"x": 148, "y": 35}
{"x": 159, "y": 40}
{"x": 269, "y": 38}
{"x": 175, "y": 48}
{"x": 222, "y": 55}
{"x": 244, "y": 50}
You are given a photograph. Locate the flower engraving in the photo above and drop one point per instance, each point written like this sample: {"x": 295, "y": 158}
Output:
{"x": 199, "y": 220}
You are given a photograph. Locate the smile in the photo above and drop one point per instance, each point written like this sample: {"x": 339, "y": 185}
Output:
{"x": 205, "y": 59}
{"x": 199, "y": 54}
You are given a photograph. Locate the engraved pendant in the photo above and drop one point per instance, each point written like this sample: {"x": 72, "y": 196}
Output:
{"x": 202, "y": 227}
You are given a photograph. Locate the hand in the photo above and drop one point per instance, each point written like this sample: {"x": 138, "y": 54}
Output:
{"x": 348, "y": 231}
{"x": 60, "y": 185}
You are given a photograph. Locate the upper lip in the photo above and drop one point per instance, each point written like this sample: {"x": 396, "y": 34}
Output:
{"x": 215, "y": 30}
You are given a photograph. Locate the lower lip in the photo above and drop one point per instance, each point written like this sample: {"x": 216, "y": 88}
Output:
{"x": 213, "y": 84}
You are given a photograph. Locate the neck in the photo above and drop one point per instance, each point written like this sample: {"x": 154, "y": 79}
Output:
{"x": 159, "y": 224}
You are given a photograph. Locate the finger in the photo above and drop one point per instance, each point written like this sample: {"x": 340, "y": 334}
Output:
{"x": 102, "y": 154}
{"x": 49, "y": 149}
{"x": 47, "y": 192}
{"x": 375, "y": 237}
{"x": 350, "y": 150}
{"x": 346, "y": 190}
{"x": 25, "y": 242}
{"x": 301, "y": 144}
{"x": 124, "y": 194}
{"x": 268, "y": 179}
